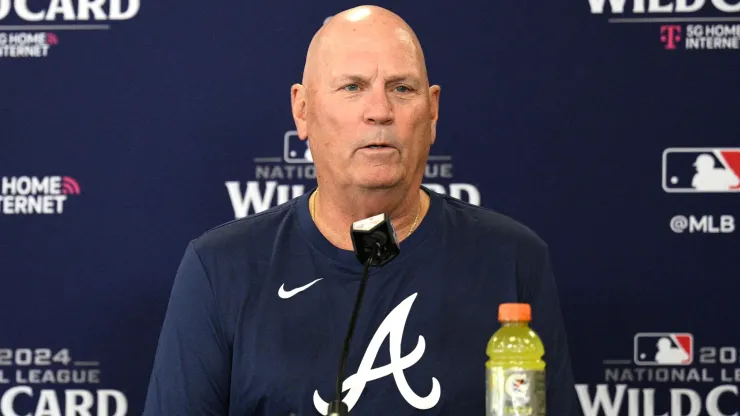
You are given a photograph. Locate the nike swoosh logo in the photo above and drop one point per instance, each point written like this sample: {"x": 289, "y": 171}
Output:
{"x": 285, "y": 294}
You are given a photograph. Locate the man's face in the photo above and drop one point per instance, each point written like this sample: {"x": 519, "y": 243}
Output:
{"x": 370, "y": 89}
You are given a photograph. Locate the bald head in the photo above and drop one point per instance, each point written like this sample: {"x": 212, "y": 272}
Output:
{"x": 366, "y": 103}
{"x": 368, "y": 26}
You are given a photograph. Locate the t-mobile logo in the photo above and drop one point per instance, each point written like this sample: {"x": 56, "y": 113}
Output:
{"x": 669, "y": 35}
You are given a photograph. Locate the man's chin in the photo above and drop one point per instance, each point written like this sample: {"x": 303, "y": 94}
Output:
{"x": 378, "y": 177}
{"x": 379, "y": 183}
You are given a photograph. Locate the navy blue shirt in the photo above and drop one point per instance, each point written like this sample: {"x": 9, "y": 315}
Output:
{"x": 260, "y": 308}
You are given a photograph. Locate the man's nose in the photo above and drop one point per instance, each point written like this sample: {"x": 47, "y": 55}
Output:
{"x": 379, "y": 109}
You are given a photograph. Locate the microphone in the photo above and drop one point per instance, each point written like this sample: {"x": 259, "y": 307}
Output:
{"x": 374, "y": 239}
{"x": 375, "y": 244}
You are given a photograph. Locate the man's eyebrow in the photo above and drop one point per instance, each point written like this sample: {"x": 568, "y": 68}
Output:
{"x": 402, "y": 77}
{"x": 352, "y": 77}
{"x": 390, "y": 80}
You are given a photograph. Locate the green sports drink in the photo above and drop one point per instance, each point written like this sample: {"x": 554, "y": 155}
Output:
{"x": 515, "y": 370}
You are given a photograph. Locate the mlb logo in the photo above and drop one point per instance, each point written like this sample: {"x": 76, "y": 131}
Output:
{"x": 664, "y": 348}
{"x": 701, "y": 169}
{"x": 296, "y": 150}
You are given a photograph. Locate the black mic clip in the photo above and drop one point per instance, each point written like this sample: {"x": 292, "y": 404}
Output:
{"x": 375, "y": 238}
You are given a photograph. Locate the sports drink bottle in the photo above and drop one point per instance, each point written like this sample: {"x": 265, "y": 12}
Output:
{"x": 515, "y": 370}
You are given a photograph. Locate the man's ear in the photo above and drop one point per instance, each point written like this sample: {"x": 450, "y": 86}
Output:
{"x": 434, "y": 92}
{"x": 299, "y": 107}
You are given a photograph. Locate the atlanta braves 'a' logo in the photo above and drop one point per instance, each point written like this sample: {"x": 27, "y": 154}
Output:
{"x": 392, "y": 326}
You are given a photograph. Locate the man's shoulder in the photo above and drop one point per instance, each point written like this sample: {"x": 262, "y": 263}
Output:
{"x": 490, "y": 226}
{"x": 245, "y": 235}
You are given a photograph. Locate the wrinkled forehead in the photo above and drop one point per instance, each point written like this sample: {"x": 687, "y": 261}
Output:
{"x": 387, "y": 53}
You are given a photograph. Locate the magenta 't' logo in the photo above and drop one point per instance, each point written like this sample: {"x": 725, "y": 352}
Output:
{"x": 670, "y": 34}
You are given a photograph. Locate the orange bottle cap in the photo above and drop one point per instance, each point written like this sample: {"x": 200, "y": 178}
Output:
{"x": 514, "y": 312}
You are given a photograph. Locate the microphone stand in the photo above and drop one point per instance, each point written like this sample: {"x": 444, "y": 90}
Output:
{"x": 338, "y": 407}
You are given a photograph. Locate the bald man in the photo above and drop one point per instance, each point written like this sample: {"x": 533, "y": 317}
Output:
{"x": 260, "y": 306}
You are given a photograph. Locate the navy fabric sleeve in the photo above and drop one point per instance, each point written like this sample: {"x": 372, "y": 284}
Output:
{"x": 191, "y": 370}
{"x": 540, "y": 291}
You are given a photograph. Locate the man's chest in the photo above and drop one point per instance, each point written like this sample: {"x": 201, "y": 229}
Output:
{"x": 419, "y": 344}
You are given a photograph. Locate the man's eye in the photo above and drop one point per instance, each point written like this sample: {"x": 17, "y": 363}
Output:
{"x": 351, "y": 87}
{"x": 402, "y": 88}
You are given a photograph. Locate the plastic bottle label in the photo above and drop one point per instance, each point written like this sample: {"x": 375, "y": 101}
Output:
{"x": 515, "y": 392}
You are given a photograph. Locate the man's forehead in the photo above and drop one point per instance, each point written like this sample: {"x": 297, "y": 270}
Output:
{"x": 365, "y": 40}
{"x": 392, "y": 54}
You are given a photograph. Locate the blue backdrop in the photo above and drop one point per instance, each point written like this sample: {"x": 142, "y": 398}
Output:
{"x": 129, "y": 128}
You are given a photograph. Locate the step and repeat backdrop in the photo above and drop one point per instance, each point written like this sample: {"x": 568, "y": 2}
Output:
{"x": 610, "y": 127}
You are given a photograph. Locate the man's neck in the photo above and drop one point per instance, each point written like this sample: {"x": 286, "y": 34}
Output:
{"x": 335, "y": 210}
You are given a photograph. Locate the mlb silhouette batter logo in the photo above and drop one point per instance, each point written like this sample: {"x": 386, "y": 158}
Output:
{"x": 296, "y": 150}
{"x": 701, "y": 169}
{"x": 664, "y": 348}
